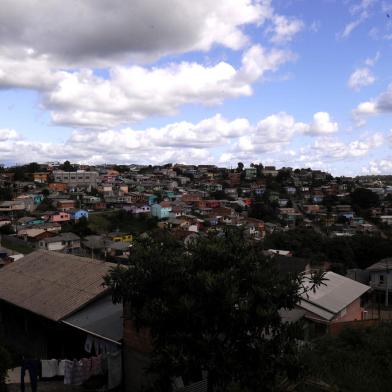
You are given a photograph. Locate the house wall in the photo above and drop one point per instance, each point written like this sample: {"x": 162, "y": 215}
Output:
{"x": 136, "y": 349}
{"x": 351, "y": 313}
{"x": 55, "y": 246}
{"x": 31, "y": 335}
{"x": 375, "y": 279}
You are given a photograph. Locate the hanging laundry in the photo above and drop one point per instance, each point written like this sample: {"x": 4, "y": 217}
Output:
{"x": 68, "y": 371}
{"x": 60, "y": 371}
{"x": 96, "y": 365}
{"x": 88, "y": 346}
{"x": 114, "y": 369}
{"x": 50, "y": 368}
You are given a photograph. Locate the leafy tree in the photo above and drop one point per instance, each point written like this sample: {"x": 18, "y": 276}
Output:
{"x": 7, "y": 229}
{"x": 211, "y": 305}
{"x": 6, "y": 193}
{"x": 240, "y": 167}
{"x": 67, "y": 167}
{"x": 356, "y": 360}
{"x": 219, "y": 195}
{"x": 365, "y": 198}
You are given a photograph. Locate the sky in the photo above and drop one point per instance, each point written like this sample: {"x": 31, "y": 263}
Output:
{"x": 295, "y": 83}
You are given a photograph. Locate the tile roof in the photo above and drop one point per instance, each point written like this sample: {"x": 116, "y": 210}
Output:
{"x": 52, "y": 284}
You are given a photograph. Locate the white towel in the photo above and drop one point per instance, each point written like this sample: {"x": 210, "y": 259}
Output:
{"x": 50, "y": 368}
{"x": 60, "y": 371}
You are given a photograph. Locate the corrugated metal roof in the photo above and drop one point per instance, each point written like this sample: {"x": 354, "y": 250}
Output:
{"x": 102, "y": 318}
{"x": 51, "y": 284}
{"x": 333, "y": 296}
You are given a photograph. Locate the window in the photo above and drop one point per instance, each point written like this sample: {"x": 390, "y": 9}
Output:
{"x": 381, "y": 279}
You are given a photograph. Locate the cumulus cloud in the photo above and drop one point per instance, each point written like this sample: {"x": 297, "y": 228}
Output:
{"x": 82, "y": 99}
{"x": 101, "y": 31}
{"x": 322, "y": 124}
{"x": 378, "y": 105}
{"x": 327, "y": 148}
{"x": 379, "y": 166}
{"x": 361, "y": 77}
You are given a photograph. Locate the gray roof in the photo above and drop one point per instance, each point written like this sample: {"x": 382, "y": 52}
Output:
{"x": 102, "y": 318}
{"x": 382, "y": 265}
{"x": 62, "y": 237}
{"x": 329, "y": 299}
{"x": 51, "y": 284}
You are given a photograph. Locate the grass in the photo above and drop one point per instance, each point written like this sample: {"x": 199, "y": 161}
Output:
{"x": 17, "y": 246}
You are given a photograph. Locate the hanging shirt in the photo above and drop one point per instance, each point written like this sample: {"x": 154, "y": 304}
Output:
{"x": 114, "y": 369}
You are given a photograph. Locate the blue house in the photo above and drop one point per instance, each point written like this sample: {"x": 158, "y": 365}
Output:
{"x": 161, "y": 211}
{"x": 77, "y": 214}
{"x": 38, "y": 199}
{"x": 151, "y": 199}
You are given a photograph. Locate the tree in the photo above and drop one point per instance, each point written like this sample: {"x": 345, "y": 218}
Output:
{"x": 365, "y": 198}
{"x": 355, "y": 360}
{"x": 211, "y": 305}
{"x": 67, "y": 167}
{"x": 240, "y": 167}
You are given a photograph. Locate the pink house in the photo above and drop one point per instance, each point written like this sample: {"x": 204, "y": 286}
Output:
{"x": 337, "y": 301}
{"x": 60, "y": 217}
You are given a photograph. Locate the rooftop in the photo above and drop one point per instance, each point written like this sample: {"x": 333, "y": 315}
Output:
{"x": 51, "y": 284}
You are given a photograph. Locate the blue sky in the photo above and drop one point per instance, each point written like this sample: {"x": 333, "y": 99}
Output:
{"x": 295, "y": 83}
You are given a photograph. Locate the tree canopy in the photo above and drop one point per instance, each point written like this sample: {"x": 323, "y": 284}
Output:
{"x": 211, "y": 305}
{"x": 365, "y": 198}
{"x": 356, "y": 360}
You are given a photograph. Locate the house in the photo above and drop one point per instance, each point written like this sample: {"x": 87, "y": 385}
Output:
{"x": 386, "y": 219}
{"x": 29, "y": 221}
{"x": 5, "y": 221}
{"x": 161, "y": 210}
{"x": 77, "y": 179}
{"x": 78, "y": 214}
{"x": 120, "y": 237}
{"x": 52, "y": 303}
{"x": 381, "y": 276}
{"x": 337, "y": 300}
{"x": 57, "y": 186}
{"x": 66, "y": 204}
{"x": 250, "y": 173}
{"x": 138, "y": 209}
{"x": 270, "y": 171}
{"x": 12, "y": 206}
{"x": 64, "y": 242}
{"x": 60, "y": 217}
{"x": 41, "y": 178}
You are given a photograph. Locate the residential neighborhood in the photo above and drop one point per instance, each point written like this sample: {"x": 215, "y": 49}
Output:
{"x": 63, "y": 232}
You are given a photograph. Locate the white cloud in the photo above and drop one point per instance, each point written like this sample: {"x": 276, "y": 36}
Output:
{"x": 380, "y": 104}
{"x": 360, "y": 11}
{"x": 361, "y": 77}
{"x": 8, "y": 134}
{"x": 379, "y": 166}
{"x": 371, "y": 61}
{"x": 82, "y": 99}
{"x": 102, "y": 31}
{"x": 322, "y": 124}
{"x": 284, "y": 29}
{"x": 327, "y": 148}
